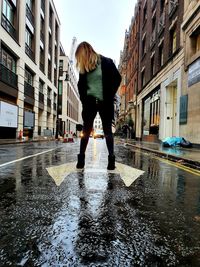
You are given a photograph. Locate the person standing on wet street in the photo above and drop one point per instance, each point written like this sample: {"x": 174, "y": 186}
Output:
{"x": 98, "y": 82}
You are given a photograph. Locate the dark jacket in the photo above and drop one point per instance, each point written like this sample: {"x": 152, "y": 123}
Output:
{"x": 111, "y": 80}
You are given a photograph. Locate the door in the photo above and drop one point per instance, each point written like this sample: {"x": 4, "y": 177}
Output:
{"x": 171, "y": 111}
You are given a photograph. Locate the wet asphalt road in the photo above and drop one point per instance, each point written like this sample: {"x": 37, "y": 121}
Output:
{"x": 93, "y": 219}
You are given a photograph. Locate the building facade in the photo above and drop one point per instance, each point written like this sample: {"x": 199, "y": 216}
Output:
{"x": 190, "y": 94}
{"x": 160, "y": 67}
{"x": 69, "y": 105}
{"x": 29, "y": 49}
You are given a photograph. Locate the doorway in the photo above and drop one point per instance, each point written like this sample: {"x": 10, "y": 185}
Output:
{"x": 171, "y": 110}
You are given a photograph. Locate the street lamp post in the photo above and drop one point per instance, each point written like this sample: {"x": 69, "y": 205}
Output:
{"x": 58, "y": 120}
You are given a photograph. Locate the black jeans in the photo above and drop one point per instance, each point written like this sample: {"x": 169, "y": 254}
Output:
{"x": 88, "y": 114}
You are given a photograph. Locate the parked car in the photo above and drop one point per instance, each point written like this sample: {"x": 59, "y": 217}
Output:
{"x": 98, "y": 134}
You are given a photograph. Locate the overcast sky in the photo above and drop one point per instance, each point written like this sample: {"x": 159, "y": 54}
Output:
{"x": 100, "y": 22}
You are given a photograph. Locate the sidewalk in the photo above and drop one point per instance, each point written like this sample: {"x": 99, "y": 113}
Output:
{"x": 22, "y": 141}
{"x": 186, "y": 156}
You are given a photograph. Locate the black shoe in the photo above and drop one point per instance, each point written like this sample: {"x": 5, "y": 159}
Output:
{"x": 81, "y": 161}
{"x": 111, "y": 162}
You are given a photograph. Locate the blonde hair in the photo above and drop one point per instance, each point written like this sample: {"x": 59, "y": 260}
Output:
{"x": 87, "y": 58}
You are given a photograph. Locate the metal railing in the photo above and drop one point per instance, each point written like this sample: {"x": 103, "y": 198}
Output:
{"x": 6, "y": 24}
{"x": 29, "y": 52}
{"x": 29, "y": 90}
{"x": 7, "y": 76}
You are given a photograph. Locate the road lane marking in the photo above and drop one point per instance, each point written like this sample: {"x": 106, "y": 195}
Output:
{"x": 27, "y": 157}
{"x": 180, "y": 166}
{"x": 128, "y": 174}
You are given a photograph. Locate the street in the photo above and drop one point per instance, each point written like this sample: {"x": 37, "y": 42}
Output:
{"x": 93, "y": 218}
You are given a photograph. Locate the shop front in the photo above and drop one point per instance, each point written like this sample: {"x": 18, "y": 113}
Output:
{"x": 29, "y": 123}
{"x": 151, "y": 116}
{"x": 8, "y": 120}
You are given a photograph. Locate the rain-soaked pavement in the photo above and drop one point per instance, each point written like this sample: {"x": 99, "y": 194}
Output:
{"x": 93, "y": 218}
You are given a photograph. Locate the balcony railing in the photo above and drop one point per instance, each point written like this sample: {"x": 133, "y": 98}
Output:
{"x": 7, "y": 76}
{"x": 29, "y": 52}
{"x": 49, "y": 102}
{"x": 8, "y": 27}
{"x": 29, "y": 15}
{"x": 41, "y": 97}
{"x": 29, "y": 90}
{"x": 161, "y": 24}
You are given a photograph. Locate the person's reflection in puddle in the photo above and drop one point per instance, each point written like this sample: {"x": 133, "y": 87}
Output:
{"x": 96, "y": 228}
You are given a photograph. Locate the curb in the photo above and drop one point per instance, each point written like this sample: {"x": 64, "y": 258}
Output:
{"x": 18, "y": 142}
{"x": 183, "y": 161}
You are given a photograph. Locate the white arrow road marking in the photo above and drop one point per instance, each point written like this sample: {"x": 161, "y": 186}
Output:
{"x": 128, "y": 174}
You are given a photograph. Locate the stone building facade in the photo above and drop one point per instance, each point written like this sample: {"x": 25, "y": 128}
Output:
{"x": 160, "y": 65}
{"x": 190, "y": 94}
{"x": 29, "y": 49}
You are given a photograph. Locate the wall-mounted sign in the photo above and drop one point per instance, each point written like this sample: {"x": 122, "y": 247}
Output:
{"x": 183, "y": 109}
{"x": 8, "y": 115}
{"x": 29, "y": 119}
{"x": 194, "y": 73}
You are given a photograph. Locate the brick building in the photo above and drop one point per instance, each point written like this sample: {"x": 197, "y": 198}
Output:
{"x": 160, "y": 64}
{"x": 129, "y": 70}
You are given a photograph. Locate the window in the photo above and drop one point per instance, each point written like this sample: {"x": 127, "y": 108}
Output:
{"x": 144, "y": 46}
{"x": 173, "y": 44}
{"x": 143, "y": 77}
{"x": 29, "y": 38}
{"x": 60, "y": 67}
{"x": 162, "y": 4}
{"x": 195, "y": 41}
{"x": 29, "y": 4}
{"x": 41, "y": 86}
{"x": 155, "y": 110}
{"x": 8, "y": 11}
{"x": 152, "y": 65}
{"x": 49, "y": 93}
{"x": 28, "y": 77}
{"x": 145, "y": 13}
{"x": 60, "y": 87}
{"x": 161, "y": 58}
{"x": 8, "y": 60}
